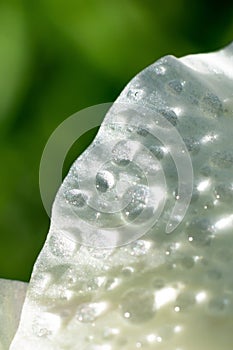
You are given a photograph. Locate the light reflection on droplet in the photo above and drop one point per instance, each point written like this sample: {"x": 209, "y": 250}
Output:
{"x": 151, "y": 338}
{"x": 224, "y": 222}
{"x": 201, "y": 297}
{"x": 164, "y": 296}
{"x": 159, "y": 339}
{"x": 209, "y": 138}
{"x": 203, "y": 185}
{"x": 138, "y": 345}
{"x": 88, "y": 312}
{"x": 177, "y": 329}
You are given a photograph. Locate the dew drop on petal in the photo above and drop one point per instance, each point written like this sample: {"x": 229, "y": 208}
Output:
{"x": 137, "y": 305}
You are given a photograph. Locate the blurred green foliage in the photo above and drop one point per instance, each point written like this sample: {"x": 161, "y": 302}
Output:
{"x": 57, "y": 57}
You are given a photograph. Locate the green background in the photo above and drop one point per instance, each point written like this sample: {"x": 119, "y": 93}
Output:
{"x": 58, "y": 57}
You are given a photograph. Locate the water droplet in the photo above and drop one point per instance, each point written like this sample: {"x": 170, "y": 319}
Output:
{"x": 127, "y": 271}
{"x": 208, "y": 205}
{"x": 88, "y": 312}
{"x": 110, "y": 333}
{"x": 159, "y": 339}
{"x": 112, "y": 283}
{"x": 160, "y": 70}
{"x": 206, "y": 170}
{"x": 75, "y": 197}
{"x": 214, "y": 274}
{"x": 104, "y": 180}
{"x": 170, "y": 115}
{"x": 192, "y": 145}
{"x": 127, "y": 314}
{"x": 224, "y": 192}
{"x": 175, "y": 86}
{"x": 137, "y": 197}
{"x": 138, "y": 305}
{"x": 94, "y": 283}
{"x": 185, "y": 300}
{"x": 61, "y": 246}
{"x": 157, "y": 151}
{"x": 200, "y": 232}
{"x": 123, "y": 153}
{"x": 211, "y": 104}
{"x": 151, "y": 338}
{"x": 139, "y": 247}
{"x": 158, "y": 283}
{"x": 142, "y": 131}
{"x": 89, "y": 338}
{"x": 222, "y": 159}
{"x": 44, "y": 332}
{"x": 136, "y": 94}
{"x": 172, "y": 248}
{"x": 187, "y": 262}
{"x": 46, "y": 325}
{"x": 218, "y": 306}
{"x": 99, "y": 253}
{"x": 177, "y": 309}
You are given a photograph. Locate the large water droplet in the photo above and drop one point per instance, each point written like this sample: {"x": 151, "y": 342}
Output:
{"x": 123, "y": 153}
{"x": 170, "y": 115}
{"x": 75, "y": 197}
{"x": 137, "y": 197}
{"x": 104, "y": 180}
{"x": 61, "y": 246}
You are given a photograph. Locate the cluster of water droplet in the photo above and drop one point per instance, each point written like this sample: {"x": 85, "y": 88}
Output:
{"x": 172, "y": 292}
